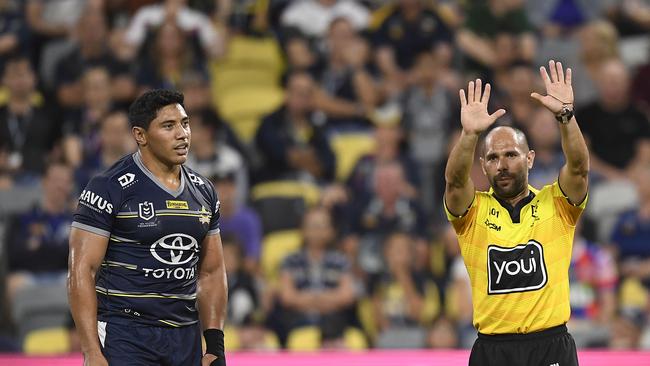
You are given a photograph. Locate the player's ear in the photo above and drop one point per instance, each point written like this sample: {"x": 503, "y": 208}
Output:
{"x": 530, "y": 157}
{"x": 139, "y": 135}
{"x": 483, "y": 165}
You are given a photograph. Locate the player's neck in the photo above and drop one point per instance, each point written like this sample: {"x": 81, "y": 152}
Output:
{"x": 169, "y": 175}
{"x": 514, "y": 200}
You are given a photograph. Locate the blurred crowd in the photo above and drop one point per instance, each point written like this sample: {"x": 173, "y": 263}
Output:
{"x": 325, "y": 127}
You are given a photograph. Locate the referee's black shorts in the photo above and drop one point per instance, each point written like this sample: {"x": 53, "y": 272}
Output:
{"x": 550, "y": 347}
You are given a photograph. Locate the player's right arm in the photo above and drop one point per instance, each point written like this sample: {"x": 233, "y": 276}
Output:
{"x": 87, "y": 251}
{"x": 89, "y": 237}
{"x": 474, "y": 118}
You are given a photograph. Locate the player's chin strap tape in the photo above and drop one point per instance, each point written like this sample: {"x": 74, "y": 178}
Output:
{"x": 214, "y": 346}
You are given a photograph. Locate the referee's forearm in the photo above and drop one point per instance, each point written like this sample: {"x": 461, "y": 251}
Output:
{"x": 83, "y": 305}
{"x": 460, "y": 160}
{"x": 575, "y": 148}
{"x": 212, "y": 298}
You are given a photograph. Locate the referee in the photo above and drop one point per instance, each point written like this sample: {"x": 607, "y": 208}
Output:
{"x": 516, "y": 240}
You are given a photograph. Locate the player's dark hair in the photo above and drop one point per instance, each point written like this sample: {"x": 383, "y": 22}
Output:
{"x": 146, "y": 107}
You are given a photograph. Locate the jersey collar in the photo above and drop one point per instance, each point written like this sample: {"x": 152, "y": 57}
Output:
{"x": 515, "y": 210}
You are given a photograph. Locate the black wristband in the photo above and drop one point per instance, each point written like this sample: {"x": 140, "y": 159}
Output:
{"x": 214, "y": 342}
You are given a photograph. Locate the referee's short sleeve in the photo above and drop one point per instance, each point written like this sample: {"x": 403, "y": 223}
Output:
{"x": 568, "y": 211}
{"x": 463, "y": 222}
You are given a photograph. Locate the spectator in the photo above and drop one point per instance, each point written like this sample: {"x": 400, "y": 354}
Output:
{"x": 513, "y": 87}
{"x": 316, "y": 283}
{"x": 313, "y": 17}
{"x": 198, "y": 104}
{"x": 176, "y": 12}
{"x": 82, "y": 125}
{"x": 114, "y": 140}
{"x": 593, "y": 278}
{"x": 615, "y": 149}
{"x": 211, "y": 155}
{"x": 598, "y": 45}
{"x": 167, "y": 58}
{"x": 496, "y": 33}
{"x": 409, "y": 30}
{"x": 388, "y": 140}
{"x": 37, "y": 245}
{"x": 632, "y": 17}
{"x": 632, "y": 232}
{"x": 376, "y": 216}
{"x": 238, "y": 220}
{"x": 291, "y": 144}
{"x": 641, "y": 87}
{"x": 405, "y": 300}
{"x": 348, "y": 92}
{"x": 428, "y": 119}
{"x": 28, "y": 131}
{"x": 49, "y": 20}
{"x": 544, "y": 135}
{"x": 13, "y": 30}
{"x": 91, "y": 50}
{"x": 243, "y": 299}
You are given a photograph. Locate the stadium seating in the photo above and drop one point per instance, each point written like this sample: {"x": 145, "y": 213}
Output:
{"x": 275, "y": 247}
{"x": 281, "y": 204}
{"x": 348, "y": 148}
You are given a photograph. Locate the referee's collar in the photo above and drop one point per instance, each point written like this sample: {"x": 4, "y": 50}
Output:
{"x": 515, "y": 210}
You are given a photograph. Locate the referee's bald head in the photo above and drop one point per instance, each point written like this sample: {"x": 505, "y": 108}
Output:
{"x": 504, "y": 132}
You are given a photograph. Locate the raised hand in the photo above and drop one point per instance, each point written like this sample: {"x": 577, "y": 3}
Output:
{"x": 473, "y": 110}
{"x": 558, "y": 87}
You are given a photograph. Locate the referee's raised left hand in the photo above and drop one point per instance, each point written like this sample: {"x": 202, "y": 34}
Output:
{"x": 559, "y": 91}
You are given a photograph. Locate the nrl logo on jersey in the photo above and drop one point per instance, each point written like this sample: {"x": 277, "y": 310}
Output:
{"x": 126, "y": 180}
{"x": 146, "y": 210}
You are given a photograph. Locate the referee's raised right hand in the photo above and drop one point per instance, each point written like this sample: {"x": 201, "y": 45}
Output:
{"x": 473, "y": 109}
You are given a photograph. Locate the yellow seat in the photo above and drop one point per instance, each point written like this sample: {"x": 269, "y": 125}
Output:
{"x": 348, "y": 149}
{"x": 355, "y": 340}
{"x": 244, "y": 108}
{"x": 231, "y": 338}
{"x": 48, "y": 341}
{"x": 275, "y": 247}
{"x": 304, "y": 339}
{"x": 287, "y": 188}
{"x": 366, "y": 314}
{"x": 633, "y": 294}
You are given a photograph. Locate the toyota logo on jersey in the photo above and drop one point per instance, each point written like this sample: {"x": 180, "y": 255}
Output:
{"x": 175, "y": 249}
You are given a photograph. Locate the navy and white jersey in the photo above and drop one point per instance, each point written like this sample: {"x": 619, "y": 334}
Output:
{"x": 150, "y": 269}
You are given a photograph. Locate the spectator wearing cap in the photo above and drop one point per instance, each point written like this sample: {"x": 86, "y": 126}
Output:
{"x": 238, "y": 220}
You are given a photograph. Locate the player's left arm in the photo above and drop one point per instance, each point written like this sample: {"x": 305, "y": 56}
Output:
{"x": 574, "y": 175}
{"x": 212, "y": 298}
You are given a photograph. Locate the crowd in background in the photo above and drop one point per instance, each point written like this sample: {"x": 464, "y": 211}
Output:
{"x": 325, "y": 126}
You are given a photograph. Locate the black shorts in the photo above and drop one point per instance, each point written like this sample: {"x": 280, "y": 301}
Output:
{"x": 550, "y": 347}
{"x": 145, "y": 345}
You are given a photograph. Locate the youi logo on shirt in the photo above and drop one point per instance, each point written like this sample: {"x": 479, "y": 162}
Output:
{"x": 517, "y": 269}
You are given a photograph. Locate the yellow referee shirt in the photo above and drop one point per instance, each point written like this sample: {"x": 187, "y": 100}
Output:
{"x": 518, "y": 259}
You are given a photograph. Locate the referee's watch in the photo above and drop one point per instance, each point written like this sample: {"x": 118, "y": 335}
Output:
{"x": 565, "y": 114}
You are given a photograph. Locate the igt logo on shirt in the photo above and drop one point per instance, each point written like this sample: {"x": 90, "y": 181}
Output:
{"x": 517, "y": 269}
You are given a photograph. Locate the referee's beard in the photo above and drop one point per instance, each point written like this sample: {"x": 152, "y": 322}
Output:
{"x": 508, "y": 185}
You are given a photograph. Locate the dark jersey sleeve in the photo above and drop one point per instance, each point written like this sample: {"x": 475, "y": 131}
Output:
{"x": 97, "y": 207}
{"x": 216, "y": 213}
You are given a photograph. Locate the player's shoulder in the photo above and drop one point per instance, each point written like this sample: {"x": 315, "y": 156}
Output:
{"x": 121, "y": 174}
{"x": 199, "y": 181}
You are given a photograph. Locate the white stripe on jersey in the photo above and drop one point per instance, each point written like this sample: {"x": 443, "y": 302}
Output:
{"x": 101, "y": 331}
